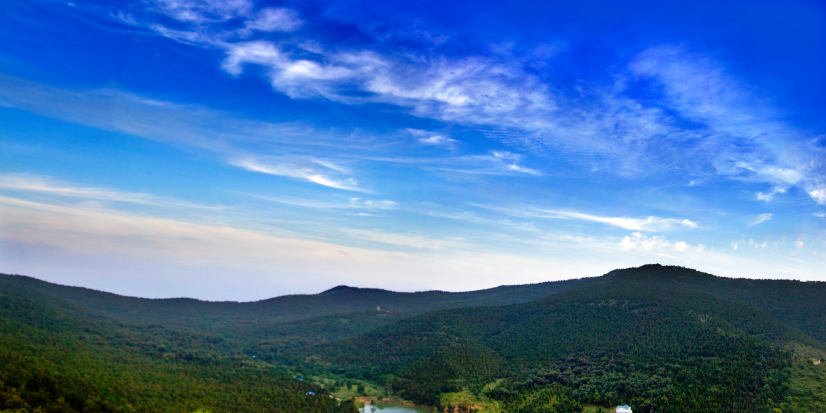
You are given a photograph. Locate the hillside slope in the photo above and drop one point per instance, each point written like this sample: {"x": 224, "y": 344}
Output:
{"x": 798, "y": 303}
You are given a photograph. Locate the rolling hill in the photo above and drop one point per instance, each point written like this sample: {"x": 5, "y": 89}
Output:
{"x": 205, "y": 315}
{"x": 665, "y": 339}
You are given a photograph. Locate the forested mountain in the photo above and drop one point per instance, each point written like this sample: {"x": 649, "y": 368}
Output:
{"x": 664, "y": 339}
{"x": 652, "y": 337}
{"x": 196, "y": 314}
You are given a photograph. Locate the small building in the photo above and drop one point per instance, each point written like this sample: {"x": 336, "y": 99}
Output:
{"x": 816, "y": 362}
{"x": 624, "y": 409}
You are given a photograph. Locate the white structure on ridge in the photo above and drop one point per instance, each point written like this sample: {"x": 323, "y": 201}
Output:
{"x": 624, "y": 409}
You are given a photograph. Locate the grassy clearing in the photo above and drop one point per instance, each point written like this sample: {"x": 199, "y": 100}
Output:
{"x": 347, "y": 388}
{"x": 467, "y": 401}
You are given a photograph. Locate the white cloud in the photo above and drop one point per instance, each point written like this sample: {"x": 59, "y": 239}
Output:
{"x": 640, "y": 242}
{"x": 273, "y": 19}
{"x": 656, "y": 244}
{"x": 769, "y": 196}
{"x": 438, "y": 140}
{"x": 330, "y": 165}
{"x": 819, "y": 214}
{"x": 651, "y": 224}
{"x": 370, "y": 204}
{"x": 433, "y": 139}
{"x": 522, "y": 169}
{"x": 819, "y": 195}
{"x": 203, "y": 11}
{"x": 760, "y": 219}
{"x": 300, "y": 172}
{"x": 503, "y": 162}
{"x": 474, "y": 90}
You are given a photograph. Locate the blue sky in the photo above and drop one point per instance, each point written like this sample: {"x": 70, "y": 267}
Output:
{"x": 238, "y": 150}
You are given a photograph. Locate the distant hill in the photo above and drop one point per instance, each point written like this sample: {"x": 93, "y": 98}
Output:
{"x": 196, "y": 314}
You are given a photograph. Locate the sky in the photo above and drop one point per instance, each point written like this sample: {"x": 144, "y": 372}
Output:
{"x": 242, "y": 149}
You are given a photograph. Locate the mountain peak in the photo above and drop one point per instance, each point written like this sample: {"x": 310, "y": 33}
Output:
{"x": 659, "y": 271}
{"x": 339, "y": 288}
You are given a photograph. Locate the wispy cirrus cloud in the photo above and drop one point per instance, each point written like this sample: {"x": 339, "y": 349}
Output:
{"x": 272, "y": 19}
{"x": 648, "y": 224}
{"x": 460, "y": 90}
{"x": 160, "y": 120}
{"x": 702, "y": 110}
{"x": 50, "y": 186}
{"x": 353, "y": 203}
{"x": 204, "y": 11}
{"x": 493, "y": 163}
{"x": 406, "y": 240}
{"x": 651, "y": 224}
{"x": 743, "y": 135}
{"x": 433, "y": 139}
{"x": 471, "y": 217}
{"x": 303, "y": 172}
{"x": 760, "y": 219}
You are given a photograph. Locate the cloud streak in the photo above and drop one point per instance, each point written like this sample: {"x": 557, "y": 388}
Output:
{"x": 649, "y": 224}
{"x": 159, "y": 120}
{"x": 49, "y": 186}
{"x": 760, "y": 219}
{"x": 305, "y": 173}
